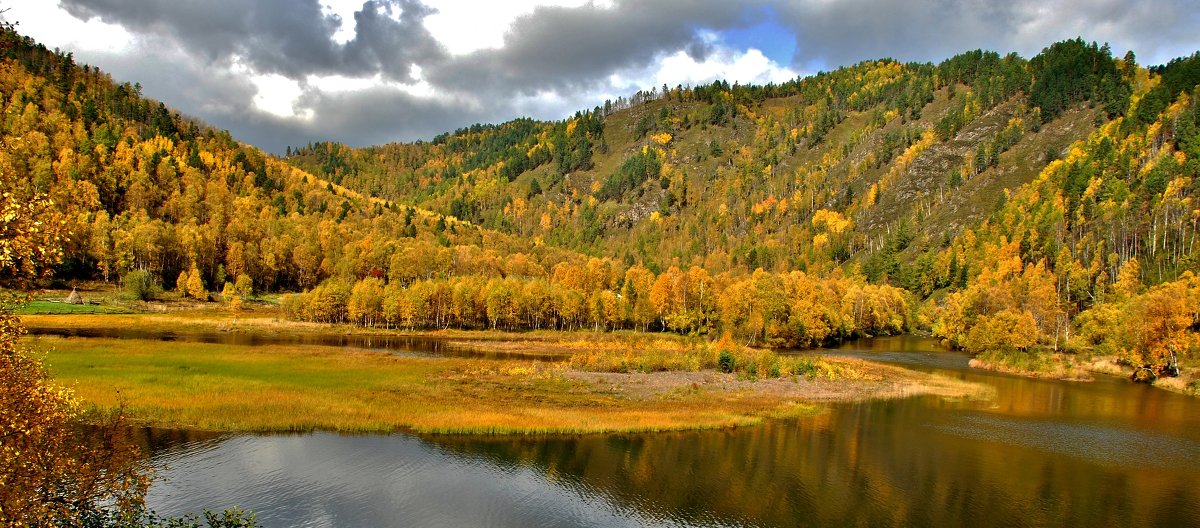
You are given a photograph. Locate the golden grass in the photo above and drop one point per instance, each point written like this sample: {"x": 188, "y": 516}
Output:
{"x": 299, "y": 388}
{"x": 1075, "y": 367}
{"x": 1033, "y": 363}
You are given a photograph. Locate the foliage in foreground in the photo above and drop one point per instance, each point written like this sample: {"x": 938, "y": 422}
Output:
{"x": 51, "y": 470}
{"x": 54, "y": 470}
{"x": 230, "y": 518}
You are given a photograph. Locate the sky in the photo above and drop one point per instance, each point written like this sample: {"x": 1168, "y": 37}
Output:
{"x": 287, "y": 72}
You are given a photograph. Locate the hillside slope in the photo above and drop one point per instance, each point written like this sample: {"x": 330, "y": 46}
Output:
{"x": 137, "y": 187}
{"x": 903, "y": 174}
{"x": 742, "y": 177}
{"x": 1003, "y": 194}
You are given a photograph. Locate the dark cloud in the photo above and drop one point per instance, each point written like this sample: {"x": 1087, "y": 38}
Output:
{"x": 388, "y": 46}
{"x": 369, "y": 117}
{"x": 293, "y": 38}
{"x": 558, "y": 48}
{"x": 1157, "y": 30}
{"x": 831, "y": 34}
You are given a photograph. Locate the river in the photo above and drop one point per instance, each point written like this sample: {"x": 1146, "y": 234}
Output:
{"x": 1041, "y": 453}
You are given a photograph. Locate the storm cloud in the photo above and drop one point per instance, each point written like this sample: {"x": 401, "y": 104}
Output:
{"x": 216, "y": 59}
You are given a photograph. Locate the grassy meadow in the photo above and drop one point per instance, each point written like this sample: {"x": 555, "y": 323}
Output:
{"x": 299, "y": 387}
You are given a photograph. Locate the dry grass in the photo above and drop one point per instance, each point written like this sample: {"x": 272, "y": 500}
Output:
{"x": 1034, "y": 363}
{"x": 1073, "y": 367}
{"x": 297, "y": 388}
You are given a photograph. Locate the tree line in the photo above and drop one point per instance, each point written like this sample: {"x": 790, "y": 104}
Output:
{"x": 762, "y": 308}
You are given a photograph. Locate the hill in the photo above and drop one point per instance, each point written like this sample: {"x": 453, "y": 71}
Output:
{"x": 903, "y": 174}
{"x": 137, "y": 187}
{"x": 995, "y": 193}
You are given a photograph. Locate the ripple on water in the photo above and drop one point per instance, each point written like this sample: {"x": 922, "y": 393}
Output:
{"x": 332, "y": 480}
{"x": 1106, "y": 445}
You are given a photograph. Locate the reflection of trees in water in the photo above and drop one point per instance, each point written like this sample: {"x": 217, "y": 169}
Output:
{"x": 883, "y": 463}
{"x": 153, "y": 441}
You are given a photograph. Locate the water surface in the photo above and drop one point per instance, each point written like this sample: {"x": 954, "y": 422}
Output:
{"x": 1042, "y": 453}
{"x": 398, "y": 344}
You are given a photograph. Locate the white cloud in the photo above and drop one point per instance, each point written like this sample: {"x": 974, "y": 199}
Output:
{"x": 463, "y": 27}
{"x": 276, "y": 95}
{"x": 56, "y": 28}
{"x": 745, "y": 67}
{"x": 341, "y": 83}
{"x": 345, "y": 10}
{"x": 680, "y": 68}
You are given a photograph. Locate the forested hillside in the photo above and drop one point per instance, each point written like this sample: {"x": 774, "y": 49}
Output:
{"x": 979, "y": 198}
{"x": 139, "y": 188}
{"x": 1005, "y": 193}
{"x": 157, "y": 201}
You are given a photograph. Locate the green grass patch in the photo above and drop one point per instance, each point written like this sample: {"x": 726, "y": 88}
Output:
{"x": 613, "y": 382}
{"x": 1036, "y": 363}
{"x": 47, "y": 307}
{"x": 1031, "y": 361}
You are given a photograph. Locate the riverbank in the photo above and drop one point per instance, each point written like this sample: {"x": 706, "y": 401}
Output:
{"x": 1075, "y": 367}
{"x": 284, "y": 387}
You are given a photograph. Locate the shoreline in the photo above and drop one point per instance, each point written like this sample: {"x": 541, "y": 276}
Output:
{"x": 1069, "y": 367}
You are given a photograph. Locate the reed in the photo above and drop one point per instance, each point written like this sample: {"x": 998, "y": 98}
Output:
{"x": 1033, "y": 363}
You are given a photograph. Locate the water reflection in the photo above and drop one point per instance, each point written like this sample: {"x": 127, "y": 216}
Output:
{"x": 330, "y": 480}
{"x": 1043, "y": 453}
{"x": 399, "y": 344}
{"x": 885, "y": 464}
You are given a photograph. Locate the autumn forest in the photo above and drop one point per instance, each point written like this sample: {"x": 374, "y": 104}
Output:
{"x": 995, "y": 201}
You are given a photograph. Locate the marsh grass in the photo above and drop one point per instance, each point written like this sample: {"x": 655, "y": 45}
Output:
{"x": 1035, "y": 363}
{"x": 301, "y": 388}
{"x": 745, "y": 362}
{"x": 612, "y": 382}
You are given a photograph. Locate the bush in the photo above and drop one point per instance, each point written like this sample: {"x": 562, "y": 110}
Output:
{"x": 751, "y": 371}
{"x": 230, "y": 518}
{"x": 804, "y": 366}
{"x": 139, "y": 285}
{"x": 726, "y": 362}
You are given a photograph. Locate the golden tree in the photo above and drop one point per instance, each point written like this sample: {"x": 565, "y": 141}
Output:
{"x": 50, "y": 472}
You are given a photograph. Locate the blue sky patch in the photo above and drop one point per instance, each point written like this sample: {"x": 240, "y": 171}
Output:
{"x": 775, "y": 41}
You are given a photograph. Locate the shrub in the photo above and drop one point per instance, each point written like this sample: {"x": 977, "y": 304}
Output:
{"x": 725, "y": 361}
{"x": 804, "y": 366}
{"x": 751, "y": 370}
{"x": 139, "y": 285}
